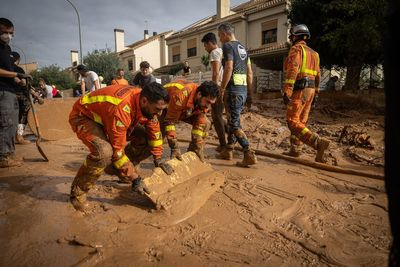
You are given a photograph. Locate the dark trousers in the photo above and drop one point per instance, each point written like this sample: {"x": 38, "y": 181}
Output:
{"x": 217, "y": 110}
{"x": 8, "y": 122}
{"x": 24, "y": 107}
{"x": 235, "y": 98}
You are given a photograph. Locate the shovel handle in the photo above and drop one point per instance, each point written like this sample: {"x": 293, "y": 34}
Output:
{"x": 36, "y": 122}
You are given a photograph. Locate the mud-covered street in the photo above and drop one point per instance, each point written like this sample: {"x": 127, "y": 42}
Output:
{"x": 272, "y": 214}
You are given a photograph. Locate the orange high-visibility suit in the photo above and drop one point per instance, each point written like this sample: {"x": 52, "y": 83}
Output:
{"x": 182, "y": 107}
{"x": 301, "y": 62}
{"x": 102, "y": 120}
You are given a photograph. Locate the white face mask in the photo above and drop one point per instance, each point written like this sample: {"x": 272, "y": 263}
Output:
{"x": 6, "y": 37}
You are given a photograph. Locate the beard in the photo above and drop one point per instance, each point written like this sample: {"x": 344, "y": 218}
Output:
{"x": 146, "y": 114}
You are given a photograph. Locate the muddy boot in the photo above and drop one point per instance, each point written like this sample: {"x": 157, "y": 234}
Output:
{"x": 249, "y": 158}
{"x": 10, "y": 161}
{"x": 293, "y": 152}
{"x": 19, "y": 139}
{"x": 226, "y": 153}
{"x": 198, "y": 149}
{"x": 322, "y": 145}
{"x": 79, "y": 203}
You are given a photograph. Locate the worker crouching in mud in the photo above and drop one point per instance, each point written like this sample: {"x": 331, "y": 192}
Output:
{"x": 189, "y": 103}
{"x": 102, "y": 120}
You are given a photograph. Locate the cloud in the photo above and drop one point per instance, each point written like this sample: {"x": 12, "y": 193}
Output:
{"x": 46, "y": 30}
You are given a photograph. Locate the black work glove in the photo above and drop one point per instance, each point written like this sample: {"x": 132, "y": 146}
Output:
{"x": 164, "y": 166}
{"x": 286, "y": 99}
{"x": 176, "y": 153}
{"x": 139, "y": 186}
{"x": 21, "y": 75}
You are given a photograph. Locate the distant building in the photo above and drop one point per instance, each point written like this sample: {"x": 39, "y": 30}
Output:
{"x": 152, "y": 49}
{"x": 261, "y": 25}
{"x": 29, "y": 67}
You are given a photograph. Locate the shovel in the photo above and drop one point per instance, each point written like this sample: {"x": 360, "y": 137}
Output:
{"x": 36, "y": 122}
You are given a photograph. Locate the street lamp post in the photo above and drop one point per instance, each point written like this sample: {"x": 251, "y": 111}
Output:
{"x": 80, "y": 35}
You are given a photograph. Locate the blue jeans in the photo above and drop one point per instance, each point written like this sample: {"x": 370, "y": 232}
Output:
{"x": 235, "y": 98}
{"x": 8, "y": 122}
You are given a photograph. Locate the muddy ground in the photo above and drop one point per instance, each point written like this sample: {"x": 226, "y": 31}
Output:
{"x": 276, "y": 213}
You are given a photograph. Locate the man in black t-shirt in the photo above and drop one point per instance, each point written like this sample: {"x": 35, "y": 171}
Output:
{"x": 8, "y": 99}
{"x": 144, "y": 77}
{"x": 236, "y": 87}
{"x": 186, "y": 69}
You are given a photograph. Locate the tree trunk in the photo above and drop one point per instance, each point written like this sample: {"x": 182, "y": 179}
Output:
{"x": 353, "y": 77}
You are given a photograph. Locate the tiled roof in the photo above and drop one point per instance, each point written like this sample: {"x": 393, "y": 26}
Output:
{"x": 239, "y": 12}
{"x": 268, "y": 49}
{"x": 148, "y": 40}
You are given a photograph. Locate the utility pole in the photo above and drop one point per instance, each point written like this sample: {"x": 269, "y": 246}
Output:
{"x": 80, "y": 34}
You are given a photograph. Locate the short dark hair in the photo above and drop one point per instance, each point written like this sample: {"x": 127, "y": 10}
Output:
{"x": 209, "y": 37}
{"x": 118, "y": 70}
{"x": 155, "y": 92}
{"x": 208, "y": 89}
{"x": 6, "y": 23}
{"x": 15, "y": 56}
{"x": 144, "y": 65}
{"x": 226, "y": 27}
{"x": 82, "y": 67}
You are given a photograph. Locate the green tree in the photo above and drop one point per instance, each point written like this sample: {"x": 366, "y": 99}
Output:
{"x": 345, "y": 33}
{"x": 104, "y": 63}
{"x": 205, "y": 60}
{"x": 54, "y": 75}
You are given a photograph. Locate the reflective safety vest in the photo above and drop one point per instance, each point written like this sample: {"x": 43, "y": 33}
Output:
{"x": 117, "y": 109}
{"x": 181, "y": 105}
{"x": 301, "y": 62}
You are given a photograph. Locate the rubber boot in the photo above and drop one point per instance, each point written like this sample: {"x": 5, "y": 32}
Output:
{"x": 88, "y": 173}
{"x": 198, "y": 149}
{"x": 293, "y": 152}
{"x": 226, "y": 153}
{"x": 249, "y": 158}
{"x": 10, "y": 161}
{"x": 19, "y": 139}
{"x": 322, "y": 145}
{"x": 79, "y": 203}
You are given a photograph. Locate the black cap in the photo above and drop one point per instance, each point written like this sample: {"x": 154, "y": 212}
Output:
{"x": 15, "y": 56}
{"x": 82, "y": 67}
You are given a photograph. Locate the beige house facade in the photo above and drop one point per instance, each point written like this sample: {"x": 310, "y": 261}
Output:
{"x": 260, "y": 25}
{"x": 151, "y": 49}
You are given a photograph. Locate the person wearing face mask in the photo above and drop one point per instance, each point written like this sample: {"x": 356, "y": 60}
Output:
{"x": 189, "y": 103}
{"x": 300, "y": 87}
{"x": 102, "y": 120}
{"x": 8, "y": 99}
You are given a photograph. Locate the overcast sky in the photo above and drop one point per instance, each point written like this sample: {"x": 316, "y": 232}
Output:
{"x": 47, "y": 30}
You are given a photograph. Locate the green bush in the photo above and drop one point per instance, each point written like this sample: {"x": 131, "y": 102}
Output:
{"x": 54, "y": 75}
{"x": 104, "y": 62}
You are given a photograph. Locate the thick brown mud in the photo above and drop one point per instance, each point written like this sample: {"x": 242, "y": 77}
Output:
{"x": 275, "y": 213}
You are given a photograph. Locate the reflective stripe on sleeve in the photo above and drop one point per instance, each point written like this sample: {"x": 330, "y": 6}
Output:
{"x": 88, "y": 99}
{"x": 119, "y": 163}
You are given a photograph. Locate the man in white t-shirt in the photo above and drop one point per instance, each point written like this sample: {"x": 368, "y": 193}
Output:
{"x": 89, "y": 79}
{"x": 46, "y": 89}
{"x": 215, "y": 56}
